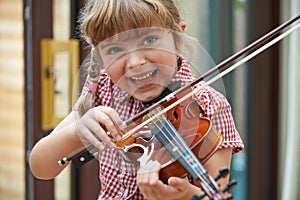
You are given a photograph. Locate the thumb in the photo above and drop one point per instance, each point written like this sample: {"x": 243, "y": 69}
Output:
{"x": 178, "y": 183}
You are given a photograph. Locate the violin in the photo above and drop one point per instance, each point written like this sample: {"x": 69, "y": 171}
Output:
{"x": 181, "y": 141}
{"x": 182, "y": 138}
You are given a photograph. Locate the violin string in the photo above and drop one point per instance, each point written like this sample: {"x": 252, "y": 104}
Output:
{"x": 181, "y": 146}
{"x": 200, "y": 174}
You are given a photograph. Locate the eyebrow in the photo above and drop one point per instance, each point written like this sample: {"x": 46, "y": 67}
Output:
{"x": 114, "y": 40}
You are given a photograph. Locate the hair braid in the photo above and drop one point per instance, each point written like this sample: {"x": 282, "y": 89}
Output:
{"x": 88, "y": 100}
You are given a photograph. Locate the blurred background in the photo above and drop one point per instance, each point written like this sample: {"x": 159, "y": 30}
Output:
{"x": 40, "y": 54}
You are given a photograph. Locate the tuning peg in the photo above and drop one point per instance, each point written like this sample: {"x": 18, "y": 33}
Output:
{"x": 195, "y": 197}
{"x": 230, "y": 185}
{"x": 222, "y": 173}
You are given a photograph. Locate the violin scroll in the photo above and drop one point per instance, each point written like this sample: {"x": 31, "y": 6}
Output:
{"x": 225, "y": 191}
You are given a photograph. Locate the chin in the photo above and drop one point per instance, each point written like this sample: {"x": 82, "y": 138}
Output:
{"x": 145, "y": 97}
{"x": 148, "y": 94}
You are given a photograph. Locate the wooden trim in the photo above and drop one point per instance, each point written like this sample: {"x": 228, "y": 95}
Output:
{"x": 263, "y": 108}
{"x": 221, "y": 37}
{"x": 85, "y": 180}
{"x": 37, "y": 25}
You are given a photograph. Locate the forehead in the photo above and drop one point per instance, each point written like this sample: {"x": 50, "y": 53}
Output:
{"x": 134, "y": 34}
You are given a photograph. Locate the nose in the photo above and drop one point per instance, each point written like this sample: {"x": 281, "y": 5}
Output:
{"x": 135, "y": 59}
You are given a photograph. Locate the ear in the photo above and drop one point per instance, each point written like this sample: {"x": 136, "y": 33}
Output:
{"x": 178, "y": 37}
{"x": 183, "y": 25}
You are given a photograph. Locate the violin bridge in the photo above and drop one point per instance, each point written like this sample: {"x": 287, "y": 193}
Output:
{"x": 155, "y": 116}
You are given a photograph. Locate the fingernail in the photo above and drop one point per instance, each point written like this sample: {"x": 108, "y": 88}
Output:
{"x": 118, "y": 137}
{"x": 122, "y": 126}
{"x": 172, "y": 181}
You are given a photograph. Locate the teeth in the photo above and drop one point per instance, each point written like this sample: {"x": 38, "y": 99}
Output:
{"x": 142, "y": 77}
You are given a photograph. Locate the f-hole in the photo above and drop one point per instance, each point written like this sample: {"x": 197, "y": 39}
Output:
{"x": 175, "y": 114}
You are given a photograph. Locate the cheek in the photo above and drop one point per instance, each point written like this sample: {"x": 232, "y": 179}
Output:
{"x": 167, "y": 72}
{"x": 163, "y": 58}
{"x": 169, "y": 65}
{"x": 115, "y": 71}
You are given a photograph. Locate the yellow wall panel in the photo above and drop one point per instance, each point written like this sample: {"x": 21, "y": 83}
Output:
{"x": 12, "y": 130}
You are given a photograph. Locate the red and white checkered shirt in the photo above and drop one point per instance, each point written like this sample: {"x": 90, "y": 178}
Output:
{"x": 118, "y": 177}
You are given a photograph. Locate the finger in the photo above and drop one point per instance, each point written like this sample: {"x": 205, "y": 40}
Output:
{"x": 111, "y": 120}
{"x": 113, "y": 115}
{"x": 178, "y": 183}
{"x": 98, "y": 132}
{"x": 149, "y": 173}
{"x": 148, "y": 179}
{"x": 90, "y": 130}
{"x": 88, "y": 137}
{"x": 99, "y": 119}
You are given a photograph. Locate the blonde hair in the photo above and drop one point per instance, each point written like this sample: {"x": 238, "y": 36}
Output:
{"x": 101, "y": 19}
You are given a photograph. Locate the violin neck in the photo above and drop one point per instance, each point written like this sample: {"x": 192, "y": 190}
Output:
{"x": 166, "y": 134}
{"x": 169, "y": 137}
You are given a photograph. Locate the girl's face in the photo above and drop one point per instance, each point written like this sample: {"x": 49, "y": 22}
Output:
{"x": 141, "y": 61}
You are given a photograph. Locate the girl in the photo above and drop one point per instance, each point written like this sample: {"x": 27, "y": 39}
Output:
{"x": 136, "y": 52}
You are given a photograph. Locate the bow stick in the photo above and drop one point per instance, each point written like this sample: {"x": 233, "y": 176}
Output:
{"x": 82, "y": 152}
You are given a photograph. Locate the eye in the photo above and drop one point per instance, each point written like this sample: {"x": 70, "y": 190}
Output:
{"x": 114, "y": 50}
{"x": 150, "y": 40}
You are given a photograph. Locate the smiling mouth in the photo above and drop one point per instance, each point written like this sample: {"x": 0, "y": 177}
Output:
{"x": 144, "y": 80}
{"x": 139, "y": 78}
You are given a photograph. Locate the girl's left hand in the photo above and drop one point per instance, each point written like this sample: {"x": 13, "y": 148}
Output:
{"x": 152, "y": 188}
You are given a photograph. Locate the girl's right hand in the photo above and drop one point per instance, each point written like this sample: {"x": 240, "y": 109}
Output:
{"x": 99, "y": 125}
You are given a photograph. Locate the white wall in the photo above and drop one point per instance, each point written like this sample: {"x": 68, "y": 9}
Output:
{"x": 289, "y": 140}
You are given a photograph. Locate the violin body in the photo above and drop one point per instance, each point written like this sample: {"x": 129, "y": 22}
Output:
{"x": 196, "y": 131}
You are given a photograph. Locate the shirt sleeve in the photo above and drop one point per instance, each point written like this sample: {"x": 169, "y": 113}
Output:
{"x": 218, "y": 110}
